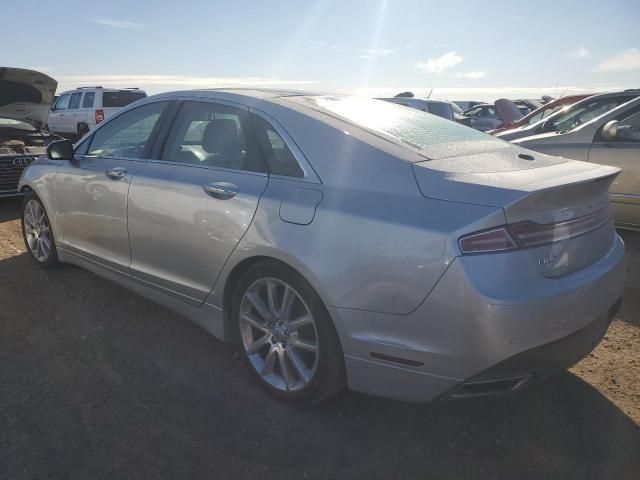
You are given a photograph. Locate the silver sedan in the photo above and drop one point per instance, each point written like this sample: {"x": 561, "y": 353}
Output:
{"x": 339, "y": 241}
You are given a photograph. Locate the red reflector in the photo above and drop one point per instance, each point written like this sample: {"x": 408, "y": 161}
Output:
{"x": 99, "y": 116}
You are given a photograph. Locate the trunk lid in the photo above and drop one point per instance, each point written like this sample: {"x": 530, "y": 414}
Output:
{"x": 533, "y": 189}
{"x": 26, "y": 95}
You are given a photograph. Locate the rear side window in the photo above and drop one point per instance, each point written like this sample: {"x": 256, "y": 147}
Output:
{"x": 441, "y": 109}
{"x": 75, "y": 100}
{"x": 121, "y": 98}
{"x": 429, "y": 135}
{"x": 280, "y": 159}
{"x": 87, "y": 101}
{"x": 213, "y": 135}
{"x": 126, "y": 136}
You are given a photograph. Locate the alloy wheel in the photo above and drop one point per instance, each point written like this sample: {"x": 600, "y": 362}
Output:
{"x": 37, "y": 230}
{"x": 279, "y": 334}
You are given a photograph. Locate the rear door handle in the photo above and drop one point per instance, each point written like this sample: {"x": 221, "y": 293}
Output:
{"x": 221, "y": 190}
{"x": 116, "y": 173}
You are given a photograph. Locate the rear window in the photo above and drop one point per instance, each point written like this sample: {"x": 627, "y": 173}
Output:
{"x": 430, "y": 135}
{"x": 121, "y": 98}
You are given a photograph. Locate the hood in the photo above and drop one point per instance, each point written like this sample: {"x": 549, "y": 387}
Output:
{"x": 508, "y": 111}
{"x": 26, "y": 95}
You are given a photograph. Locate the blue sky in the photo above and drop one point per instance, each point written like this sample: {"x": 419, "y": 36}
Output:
{"x": 475, "y": 49}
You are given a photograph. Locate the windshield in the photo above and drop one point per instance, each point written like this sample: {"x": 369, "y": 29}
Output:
{"x": 430, "y": 135}
{"x": 584, "y": 112}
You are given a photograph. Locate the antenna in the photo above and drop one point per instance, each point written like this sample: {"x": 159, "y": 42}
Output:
{"x": 430, "y": 92}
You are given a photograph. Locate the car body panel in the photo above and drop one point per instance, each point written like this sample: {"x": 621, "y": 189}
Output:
{"x": 380, "y": 251}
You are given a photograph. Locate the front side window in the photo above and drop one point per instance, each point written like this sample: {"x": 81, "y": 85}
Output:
{"x": 441, "y": 109}
{"x": 87, "y": 101}
{"x": 213, "y": 135}
{"x": 126, "y": 136}
{"x": 74, "y": 102}
{"x": 63, "y": 102}
{"x": 280, "y": 159}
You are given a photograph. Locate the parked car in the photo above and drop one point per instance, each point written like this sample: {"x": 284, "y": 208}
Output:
{"x": 80, "y": 110}
{"x": 339, "y": 239}
{"x": 25, "y": 100}
{"x": 578, "y": 113}
{"x": 542, "y": 112}
{"x": 437, "y": 107}
{"x": 467, "y": 104}
{"x": 527, "y": 106}
{"x": 489, "y": 117}
{"x": 613, "y": 138}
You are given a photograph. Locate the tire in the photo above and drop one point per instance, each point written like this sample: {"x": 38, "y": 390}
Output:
{"x": 37, "y": 232}
{"x": 277, "y": 342}
{"x": 82, "y": 129}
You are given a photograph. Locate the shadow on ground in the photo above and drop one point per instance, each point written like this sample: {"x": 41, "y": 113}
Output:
{"x": 96, "y": 382}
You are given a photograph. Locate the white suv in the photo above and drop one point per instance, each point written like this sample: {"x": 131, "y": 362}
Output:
{"x": 78, "y": 111}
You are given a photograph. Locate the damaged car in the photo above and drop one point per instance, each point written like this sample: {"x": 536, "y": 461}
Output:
{"x": 25, "y": 101}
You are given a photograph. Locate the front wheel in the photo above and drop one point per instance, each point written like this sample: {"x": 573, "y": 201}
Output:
{"x": 37, "y": 233}
{"x": 288, "y": 339}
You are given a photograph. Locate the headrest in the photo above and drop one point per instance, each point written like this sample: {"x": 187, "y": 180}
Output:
{"x": 219, "y": 135}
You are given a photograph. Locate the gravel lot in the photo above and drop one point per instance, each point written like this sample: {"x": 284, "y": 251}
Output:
{"x": 96, "y": 382}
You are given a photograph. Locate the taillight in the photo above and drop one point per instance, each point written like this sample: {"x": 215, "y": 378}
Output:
{"x": 99, "y": 116}
{"x": 531, "y": 234}
{"x": 496, "y": 240}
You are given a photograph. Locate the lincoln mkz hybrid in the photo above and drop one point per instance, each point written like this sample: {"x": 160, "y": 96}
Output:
{"x": 340, "y": 241}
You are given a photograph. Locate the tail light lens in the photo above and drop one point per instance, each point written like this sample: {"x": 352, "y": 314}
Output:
{"x": 496, "y": 240}
{"x": 99, "y": 116}
{"x": 531, "y": 234}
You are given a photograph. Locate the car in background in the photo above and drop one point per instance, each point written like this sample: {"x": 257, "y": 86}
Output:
{"x": 437, "y": 107}
{"x": 527, "y": 105}
{"x": 78, "y": 111}
{"x": 578, "y": 113}
{"x": 613, "y": 139}
{"x": 467, "y": 104}
{"x": 339, "y": 240}
{"x": 489, "y": 117}
{"x": 543, "y": 112}
{"x": 25, "y": 101}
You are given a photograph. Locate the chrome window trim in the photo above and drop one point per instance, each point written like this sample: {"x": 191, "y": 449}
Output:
{"x": 310, "y": 174}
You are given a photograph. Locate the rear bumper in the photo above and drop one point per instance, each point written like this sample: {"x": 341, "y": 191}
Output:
{"x": 537, "y": 363}
{"x": 476, "y": 330}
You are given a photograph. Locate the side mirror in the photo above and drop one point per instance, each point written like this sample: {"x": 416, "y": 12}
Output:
{"x": 60, "y": 150}
{"x": 610, "y": 130}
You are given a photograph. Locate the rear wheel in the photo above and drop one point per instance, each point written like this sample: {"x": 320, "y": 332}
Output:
{"x": 287, "y": 336}
{"x": 37, "y": 233}
{"x": 83, "y": 129}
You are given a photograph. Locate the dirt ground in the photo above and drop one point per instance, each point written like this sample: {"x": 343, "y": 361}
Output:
{"x": 96, "y": 382}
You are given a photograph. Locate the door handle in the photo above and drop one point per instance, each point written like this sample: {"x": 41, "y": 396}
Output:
{"x": 115, "y": 173}
{"x": 221, "y": 190}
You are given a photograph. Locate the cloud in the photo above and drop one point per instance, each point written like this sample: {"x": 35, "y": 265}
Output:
{"x": 376, "y": 52}
{"x": 440, "y": 64}
{"x": 624, "y": 61}
{"x": 580, "y": 52}
{"x": 470, "y": 75}
{"x": 163, "y": 83}
{"x": 118, "y": 23}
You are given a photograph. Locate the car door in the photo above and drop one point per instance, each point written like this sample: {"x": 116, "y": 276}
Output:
{"x": 623, "y": 152}
{"x": 73, "y": 114}
{"x": 92, "y": 191}
{"x": 58, "y": 114}
{"x": 190, "y": 205}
